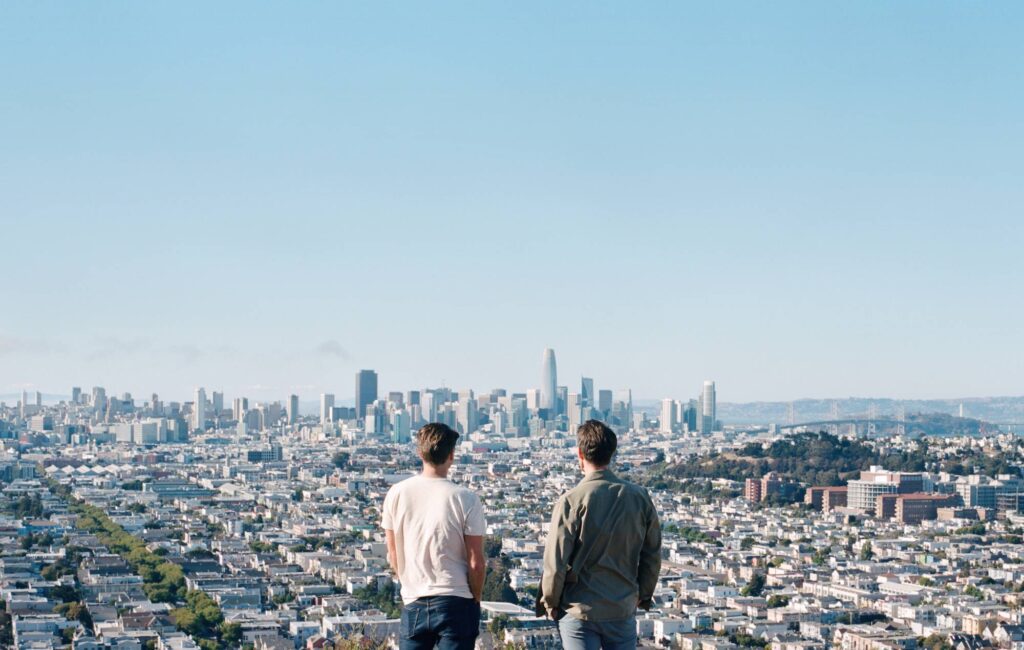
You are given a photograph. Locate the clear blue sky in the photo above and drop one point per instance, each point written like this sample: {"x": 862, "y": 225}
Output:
{"x": 795, "y": 199}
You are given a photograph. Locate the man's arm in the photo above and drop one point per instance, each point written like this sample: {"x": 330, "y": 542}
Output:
{"x": 392, "y": 551}
{"x": 557, "y": 551}
{"x": 477, "y": 564}
{"x": 650, "y": 560}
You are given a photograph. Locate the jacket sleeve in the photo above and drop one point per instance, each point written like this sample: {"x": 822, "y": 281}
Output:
{"x": 650, "y": 559}
{"x": 557, "y": 551}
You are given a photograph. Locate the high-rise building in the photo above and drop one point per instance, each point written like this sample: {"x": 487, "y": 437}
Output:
{"x": 99, "y": 399}
{"x": 467, "y": 417}
{"x": 667, "y": 419}
{"x": 533, "y": 399}
{"x": 708, "y": 407}
{"x": 39, "y": 399}
{"x": 76, "y": 395}
{"x": 199, "y": 410}
{"x": 326, "y": 404}
{"x": 863, "y": 493}
{"x": 293, "y": 409}
{"x": 574, "y": 409}
{"x": 401, "y": 426}
{"x": 549, "y": 382}
{"x": 604, "y": 402}
{"x": 366, "y": 391}
{"x": 218, "y": 403}
{"x": 587, "y": 397}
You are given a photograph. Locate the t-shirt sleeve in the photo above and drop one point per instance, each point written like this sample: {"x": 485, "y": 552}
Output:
{"x": 475, "y": 522}
{"x": 387, "y": 514}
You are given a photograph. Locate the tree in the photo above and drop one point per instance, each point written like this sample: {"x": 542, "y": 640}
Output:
{"x": 747, "y": 543}
{"x": 230, "y": 634}
{"x": 866, "y": 552}
{"x": 776, "y": 600}
{"x": 492, "y": 546}
{"x": 498, "y": 585}
{"x": 341, "y": 459}
{"x": 755, "y": 587}
{"x": 936, "y": 641}
{"x": 498, "y": 625}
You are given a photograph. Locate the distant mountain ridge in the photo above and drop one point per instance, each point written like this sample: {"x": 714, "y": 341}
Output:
{"x": 998, "y": 410}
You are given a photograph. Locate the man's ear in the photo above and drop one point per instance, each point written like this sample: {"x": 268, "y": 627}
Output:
{"x": 451, "y": 456}
{"x": 579, "y": 453}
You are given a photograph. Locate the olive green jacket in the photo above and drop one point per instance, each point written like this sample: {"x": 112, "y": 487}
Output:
{"x": 603, "y": 552}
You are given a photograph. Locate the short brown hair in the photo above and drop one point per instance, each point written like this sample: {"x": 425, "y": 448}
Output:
{"x": 597, "y": 442}
{"x": 436, "y": 442}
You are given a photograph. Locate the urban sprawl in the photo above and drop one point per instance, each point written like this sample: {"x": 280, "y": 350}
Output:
{"x": 135, "y": 524}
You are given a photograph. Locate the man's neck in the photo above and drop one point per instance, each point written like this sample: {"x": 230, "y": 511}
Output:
{"x": 590, "y": 469}
{"x": 433, "y": 471}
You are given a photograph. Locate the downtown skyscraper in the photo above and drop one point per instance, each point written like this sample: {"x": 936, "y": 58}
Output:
{"x": 549, "y": 382}
{"x": 199, "y": 410}
{"x": 366, "y": 391}
{"x": 707, "y": 414}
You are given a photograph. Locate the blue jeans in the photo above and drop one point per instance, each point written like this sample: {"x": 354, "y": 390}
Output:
{"x": 447, "y": 622}
{"x": 594, "y": 635}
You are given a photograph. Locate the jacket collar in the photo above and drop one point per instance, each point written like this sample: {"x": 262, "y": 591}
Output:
{"x": 600, "y": 475}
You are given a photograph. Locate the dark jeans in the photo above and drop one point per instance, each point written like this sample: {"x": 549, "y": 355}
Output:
{"x": 593, "y": 635}
{"x": 447, "y": 622}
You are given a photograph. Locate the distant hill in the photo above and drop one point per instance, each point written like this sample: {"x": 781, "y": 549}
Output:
{"x": 997, "y": 410}
{"x": 824, "y": 459}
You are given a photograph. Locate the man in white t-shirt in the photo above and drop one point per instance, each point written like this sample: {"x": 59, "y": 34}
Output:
{"x": 435, "y": 534}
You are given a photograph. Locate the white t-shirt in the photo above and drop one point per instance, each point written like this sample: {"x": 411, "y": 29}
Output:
{"x": 430, "y": 518}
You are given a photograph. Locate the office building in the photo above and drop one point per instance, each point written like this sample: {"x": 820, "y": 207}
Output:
{"x": 574, "y": 410}
{"x": 99, "y": 399}
{"x": 293, "y": 409}
{"x": 326, "y": 404}
{"x": 587, "y": 396}
{"x": 863, "y": 493}
{"x": 366, "y": 391}
{"x": 549, "y": 382}
{"x": 401, "y": 426}
{"x": 199, "y": 410}
{"x": 533, "y": 399}
{"x": 708, "y": 412}
{"x": 667, "y": 418}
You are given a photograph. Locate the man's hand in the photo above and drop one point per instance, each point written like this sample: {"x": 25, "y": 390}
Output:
{"x": 477, "y": 565}
{"x": 392, "y": 552}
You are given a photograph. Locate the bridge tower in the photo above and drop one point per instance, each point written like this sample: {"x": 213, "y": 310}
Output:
{"x": 834, "y": 416}
{"x": 901, "y": 418}
{"x": 791, "y": 413}
{"x": 872, "y": 416}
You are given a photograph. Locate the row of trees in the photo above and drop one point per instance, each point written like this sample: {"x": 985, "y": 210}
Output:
{"x": 163, "y": 580}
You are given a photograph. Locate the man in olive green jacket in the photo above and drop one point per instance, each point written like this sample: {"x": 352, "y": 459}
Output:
{"x": 603, "y": 551}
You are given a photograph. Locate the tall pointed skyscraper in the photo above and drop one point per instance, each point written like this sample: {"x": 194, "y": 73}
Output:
{"x": 548, "y": 381}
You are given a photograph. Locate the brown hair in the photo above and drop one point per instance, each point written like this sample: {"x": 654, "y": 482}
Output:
{"x": 597, "y": 442}
{"x": 436, "y": 442}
